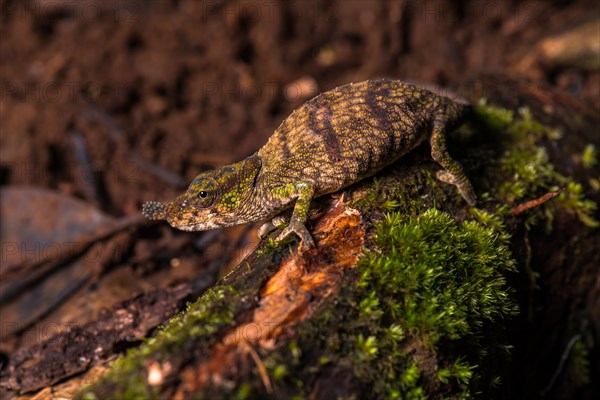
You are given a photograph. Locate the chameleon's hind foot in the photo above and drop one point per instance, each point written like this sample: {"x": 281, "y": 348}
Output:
{"x": 464, "y": 187}
{"x": 453, "y": 172}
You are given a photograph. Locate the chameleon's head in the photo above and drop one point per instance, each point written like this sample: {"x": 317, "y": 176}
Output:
{"x": 214, "y": 199}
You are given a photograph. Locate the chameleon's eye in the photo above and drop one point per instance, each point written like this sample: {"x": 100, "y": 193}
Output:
{"x": 203, "y": 192}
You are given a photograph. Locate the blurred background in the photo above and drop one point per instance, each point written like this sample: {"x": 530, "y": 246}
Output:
{"x": 117, "y": 102}
{"x": 112, "y": 103}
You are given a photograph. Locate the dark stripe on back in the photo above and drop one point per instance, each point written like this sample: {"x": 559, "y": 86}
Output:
{"x": 319, "y": 121}
{"x": 377, "y": 109}
{"x": 287, "y": 154}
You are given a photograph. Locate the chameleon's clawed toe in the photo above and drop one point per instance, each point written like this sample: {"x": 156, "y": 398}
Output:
{"x": 446, "y": 176}
{"x": 467, "y": 192}
{"x": 301, "y": 231}
{"x": 265, "y": 229}
{"x": 464, "y": 188}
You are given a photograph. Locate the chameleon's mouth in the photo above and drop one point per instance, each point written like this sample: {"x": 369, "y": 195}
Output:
{"x": 154, "y": 210}
{"x": 180, "y": 214}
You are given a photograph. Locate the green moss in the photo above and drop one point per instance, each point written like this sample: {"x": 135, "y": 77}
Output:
{"x": 435, "y": 251}
{"x": 434, "y": 279}
{"x": 409, "y": 384}
{"x": 202, "y": 318}
{"x": 579, "y": 365}
{"x": 589, "y": 158}
{"x": 407, "y": 191}
{"x": 522, "y": 170}
{"x": 243, "y": 392}
{"x": 574, "y": 200}
{"x": 271, "y": 245}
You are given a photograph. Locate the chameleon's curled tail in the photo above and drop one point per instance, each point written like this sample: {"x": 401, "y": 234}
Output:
{"x": 154, "y": 210}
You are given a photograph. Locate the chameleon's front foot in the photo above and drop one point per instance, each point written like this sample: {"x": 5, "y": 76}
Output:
{"x": 303, "y": 191}
{"x": 300, "y": 230}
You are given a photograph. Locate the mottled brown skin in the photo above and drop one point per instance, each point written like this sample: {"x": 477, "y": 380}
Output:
{"x": 329, "y": 143}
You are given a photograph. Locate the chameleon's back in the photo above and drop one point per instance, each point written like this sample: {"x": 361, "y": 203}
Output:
{"x": 351, "y": 132}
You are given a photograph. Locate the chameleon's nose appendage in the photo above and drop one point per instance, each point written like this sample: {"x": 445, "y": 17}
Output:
{"x": 154, "y": 210}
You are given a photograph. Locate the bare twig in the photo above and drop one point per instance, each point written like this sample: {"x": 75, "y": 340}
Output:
{"x": 536, "y": 202}
{"x": 262, "y": 370}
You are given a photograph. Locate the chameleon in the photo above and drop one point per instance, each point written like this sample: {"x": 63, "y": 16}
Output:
{"x": 332, "y": 141}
